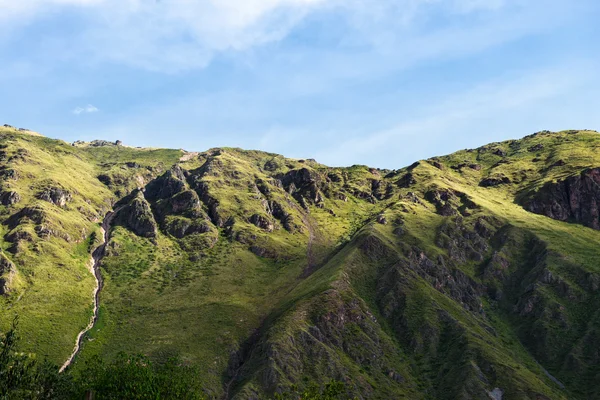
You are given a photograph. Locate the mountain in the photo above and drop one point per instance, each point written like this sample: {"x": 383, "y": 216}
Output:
{"x": 469, "y": 276}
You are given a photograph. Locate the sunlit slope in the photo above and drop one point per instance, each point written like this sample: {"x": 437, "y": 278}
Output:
{"x": 52, "y": 201}
{"x": 473, "y": 275}
{"x": 458, "y": 264}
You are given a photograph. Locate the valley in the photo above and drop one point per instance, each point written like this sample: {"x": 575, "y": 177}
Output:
{"x": 471, "y": 275}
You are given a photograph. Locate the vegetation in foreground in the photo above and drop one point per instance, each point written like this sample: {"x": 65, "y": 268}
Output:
{"x": 127, "y": 377}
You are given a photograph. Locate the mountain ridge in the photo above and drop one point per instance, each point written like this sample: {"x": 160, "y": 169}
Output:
{"x": 460, "y": 276}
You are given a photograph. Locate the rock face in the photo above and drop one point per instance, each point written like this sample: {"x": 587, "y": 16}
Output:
{"x": 180, "y": 227}
{"x": 184, "y": 203}
{"x": 473, "y": 166}
{"x": 341, "y": 323}
{"x": 494, "y": 181}
{"x": 406, "y": 181}
{"x": 442, "y": 199}
{"x": 9, "y": 198}
{"x": 462, "y": 243}
{"x": 7, "y": 273}
{"x": 262, "y": 222}
{"x": 56, "y": 196}
{"x": 449, "y": 202}
{"x": 167, "y": 185}
{"x": 303, "y": 184}
{"x": 534, "y": 148}
{"x": 287, "y": 220}
{"x": 576, "y": 198}
{"x": 137, "y": 216}
{"x": 8, "y": 174}
{"x": 211, "y": 203}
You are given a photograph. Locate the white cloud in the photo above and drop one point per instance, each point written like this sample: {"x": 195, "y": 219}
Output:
{"x": 85, "y": 110}
{"x": 174, "y": 35}
{"x": 26, "y": 8}
{"x": 167, "y": 35}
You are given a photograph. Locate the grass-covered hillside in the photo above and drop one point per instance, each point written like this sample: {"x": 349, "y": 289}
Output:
{"x": 473, "y": 275}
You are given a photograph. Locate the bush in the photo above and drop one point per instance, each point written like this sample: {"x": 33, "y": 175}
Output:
{"x": 23, "y": 377}
{"x": 136, "y": 377}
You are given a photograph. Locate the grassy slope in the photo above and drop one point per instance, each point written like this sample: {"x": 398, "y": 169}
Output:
{"x": 158, "y": 301}
{"x": 166, "y": 298}
{"x": 53, "y": 296}
{"x": 570, "y": 245}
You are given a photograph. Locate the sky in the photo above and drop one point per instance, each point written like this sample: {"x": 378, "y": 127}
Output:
{"x": 375, "y": 82}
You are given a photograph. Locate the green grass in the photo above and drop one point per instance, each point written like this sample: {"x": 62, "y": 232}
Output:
{"x": 202, "y": 299}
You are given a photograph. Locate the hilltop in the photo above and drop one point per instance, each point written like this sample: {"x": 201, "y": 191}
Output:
{"x": 471, "y": 275}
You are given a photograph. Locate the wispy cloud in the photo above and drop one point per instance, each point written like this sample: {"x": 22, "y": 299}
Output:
{"x": 165, "y": 35}
{"x": 85, "y": 110}
{"x": 370, "y": 81}
{"x": 178, "y": 35}
{"x": 438, "y": 127}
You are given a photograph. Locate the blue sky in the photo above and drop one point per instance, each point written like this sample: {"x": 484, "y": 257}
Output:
{"x": 376, "y": 82}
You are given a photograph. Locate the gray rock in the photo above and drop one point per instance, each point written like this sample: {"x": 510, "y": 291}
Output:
{"x": 9, "y": 198}
{"x": 576, "y": 198}
{"x": 494, "y": 181}
{"x": 137, "y": 216}
{"x": 56, "y": 196}
{"x": 7, "y": 274}
{"x": 8, "y": 174}
{"x": 262, "y": 222}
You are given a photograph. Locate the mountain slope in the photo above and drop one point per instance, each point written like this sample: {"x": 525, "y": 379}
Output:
{"x": 473, "y": 275}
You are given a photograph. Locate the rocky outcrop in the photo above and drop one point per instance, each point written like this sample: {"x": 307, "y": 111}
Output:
{"x": 264, "y": 252}
{"x": 499, "y": 152}
{"x": 337, "y": 328}
{"x": 180, "y": 227}
{"x": 443, "y": 201}
{"x": 105, "y": 179}
{"x": 303, "y": 184}
{"x": 180, "y": 201}
{"x": 449, "y": 202}
{"x": 286, "y": 219}
{"x": 19, "y": 237}
{"x": 473, "y": 166}
{"x": 185, "y": 203}
{"x": 167, "y": 185}
{"x": 8, "y": 174}
{"x": 262, "y": 222}
{"x": 463, "y": 243}
{"x": 7, "y": 274}
{"x": 576, "y": 199}
{"x": 55, "y": 195}
{"x": 34, "y": 214}
{"x": 211, "y": 203}
{"x": 9, "y": 198}
{"x": 137, "y": 216}
{"x": 494, "y": 181}
{"x": 406, "y": 181}
{"x": 450, "y": 281}
{"x": 45, "y": 231}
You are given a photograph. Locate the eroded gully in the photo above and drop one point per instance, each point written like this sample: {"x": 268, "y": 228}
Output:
{"x": 94, "y": 265}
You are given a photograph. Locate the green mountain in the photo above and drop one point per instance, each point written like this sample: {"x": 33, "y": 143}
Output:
{"x": 469, "y": 276}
